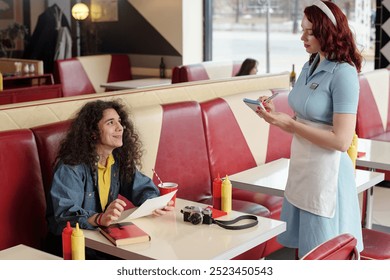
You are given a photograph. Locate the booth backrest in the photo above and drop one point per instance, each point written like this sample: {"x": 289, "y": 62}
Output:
{"x": 174, "y": 141}
{"x": 48, "y": 138}
{"x": 208, "y": 70}
{"x": 341, "y": 247}
{"x": 373, "y": 116}
{"x": 234, "y": 131}
{"x": 238, "y": 139}
{"x": 172, "y": 136}
{"x": 33, "y": 93}
{"x": 175, "y": 78}
{"x": 85, "y": 74}
{"x": 279, "y": 141}
{"x": 22, "y": 199}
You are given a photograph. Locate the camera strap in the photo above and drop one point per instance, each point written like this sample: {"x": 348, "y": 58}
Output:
{"x": 229, "y": 224}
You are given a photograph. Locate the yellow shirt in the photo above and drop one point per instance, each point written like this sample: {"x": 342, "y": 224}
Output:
{"x": 104, "y": 180}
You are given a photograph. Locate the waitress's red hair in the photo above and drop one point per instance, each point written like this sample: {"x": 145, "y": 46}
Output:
{"x": 337, "y": 42}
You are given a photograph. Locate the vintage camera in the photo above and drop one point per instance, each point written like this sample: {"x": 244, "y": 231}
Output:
{"x": 196, "y": 215}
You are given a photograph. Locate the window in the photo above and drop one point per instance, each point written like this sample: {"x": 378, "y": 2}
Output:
{"x": 239, "y": 30}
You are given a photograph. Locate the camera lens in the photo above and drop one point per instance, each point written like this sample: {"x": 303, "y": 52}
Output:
{"x": 195, "y": 218}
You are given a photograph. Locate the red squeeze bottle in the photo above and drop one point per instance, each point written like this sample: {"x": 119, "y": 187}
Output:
{"x": 217, "y": 186}
{"x": 66, "y": 242}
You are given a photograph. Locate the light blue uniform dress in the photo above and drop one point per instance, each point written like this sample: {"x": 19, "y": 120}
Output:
{"x": 331, "y": 88}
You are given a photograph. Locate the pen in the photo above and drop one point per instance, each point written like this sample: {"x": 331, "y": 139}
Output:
{"x": 271, "y": 97}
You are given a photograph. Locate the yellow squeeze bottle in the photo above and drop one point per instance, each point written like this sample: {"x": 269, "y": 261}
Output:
{"x": 353, "y": 151}
{"x": 1, "y": 81}
{"x": 226, "y": 195}
{"x": 355, "y": 140}
{"x": 78, "y": 244}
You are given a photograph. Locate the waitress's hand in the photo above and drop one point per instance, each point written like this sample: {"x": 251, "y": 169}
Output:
{"x": 168, "y": 208}
{"x": 269, "y": 106}
{"x": 281, "y": 120}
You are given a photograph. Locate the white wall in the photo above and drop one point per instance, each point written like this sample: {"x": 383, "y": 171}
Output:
{"x": 192, "y": 31}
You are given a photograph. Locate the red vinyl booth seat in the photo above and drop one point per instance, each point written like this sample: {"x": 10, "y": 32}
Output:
{"x": 376, "y": 245}
{"x": 26, "y": 94}
{"x": 48, "y": 138}
{"x": 205, "y": 71}
{"x": 22, "y": 199}
{"x": 182, "y": 141}
{"x": 373, "y": 114}
{"x": 229, "y": 152}
{"x": 76, "y": 79}
{"x": 341, "y": 247}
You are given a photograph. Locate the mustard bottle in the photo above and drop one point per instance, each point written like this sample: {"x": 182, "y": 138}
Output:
{"x": 226, "y": 195}
{"x": 1, "y": 81}
{"x": 355, "y": 140}
{"x": 78, "y": 244}
{"x": 353, "y": 150}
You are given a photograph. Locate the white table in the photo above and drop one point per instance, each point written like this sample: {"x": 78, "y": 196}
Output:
{"x": 271, "y": 178}
{"x": 137, "y": 83}
{"x": 377, "y": 156}
{"x": 23, "y": 252}
{"x": 174, "y": 239}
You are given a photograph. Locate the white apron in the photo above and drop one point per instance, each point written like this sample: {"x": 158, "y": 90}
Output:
{"x": 313, "y": 175}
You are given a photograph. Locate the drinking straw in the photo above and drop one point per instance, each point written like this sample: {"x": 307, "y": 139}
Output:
{"x": 158, "y": 177}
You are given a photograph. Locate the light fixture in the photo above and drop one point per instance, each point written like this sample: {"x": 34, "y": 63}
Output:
{"x": 80, "y": 11}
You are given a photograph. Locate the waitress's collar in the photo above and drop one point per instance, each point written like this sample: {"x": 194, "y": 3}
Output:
{"x": 325, "y": 65}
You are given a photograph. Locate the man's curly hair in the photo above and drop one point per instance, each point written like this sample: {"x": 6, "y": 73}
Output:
{"x": 79, "y": 145}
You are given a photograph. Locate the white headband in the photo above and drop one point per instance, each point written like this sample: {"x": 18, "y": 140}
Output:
{"x": 326, "y": 11}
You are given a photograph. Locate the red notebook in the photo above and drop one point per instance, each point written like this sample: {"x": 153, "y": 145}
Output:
{"x": 124, "y": 234}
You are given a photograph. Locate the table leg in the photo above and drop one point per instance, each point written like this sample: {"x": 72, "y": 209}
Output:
{"x": 369, "y": 205}
{"x": 370, "y": 201}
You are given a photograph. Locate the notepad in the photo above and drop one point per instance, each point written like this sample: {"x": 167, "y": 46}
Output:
{"x": 253, "y": 104}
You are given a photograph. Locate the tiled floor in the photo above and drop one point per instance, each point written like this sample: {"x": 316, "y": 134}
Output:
{"x": 381, "y": 221}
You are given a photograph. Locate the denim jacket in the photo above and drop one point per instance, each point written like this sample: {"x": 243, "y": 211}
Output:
{"x": 74, "y": 195}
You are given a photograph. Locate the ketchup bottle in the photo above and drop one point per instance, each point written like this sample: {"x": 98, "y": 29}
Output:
{"x": 66, "y": 242}
{"x": 217, "y": 185}
{"x": 78, "y": 244}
